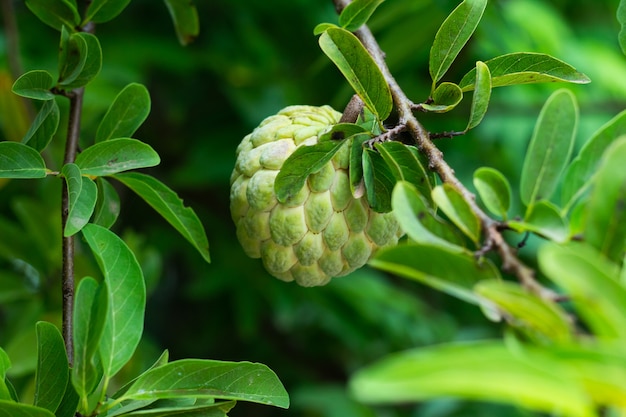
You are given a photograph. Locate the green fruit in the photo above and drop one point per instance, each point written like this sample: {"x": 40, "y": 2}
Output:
{"x": 320, "y": 233}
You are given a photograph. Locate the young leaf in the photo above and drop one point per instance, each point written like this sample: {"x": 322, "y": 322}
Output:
{"x": 43, "y": 127}
{"x": 82, "y": 194}
{"x": 20, "y": 161}
{"x": 379, "y": 181}
{"x": 550, "y": 147}
{"x": 446, "y": 270}
{"x": 35, "y": 85}
{"x": 451, "y": 202}
{"x": 605, "y": 226}
{"x": 170, "y": 206}
{"x": 52, "y": 367}
{"x": 494, "y": 190}
{"x": 406, "y": 165}
{"x": 445, "y": 98}
{"x": 359, "y": 69}
{"x": 100, "y": 11}
{"x": 127, "y": 112}
{"x": 453, "y": 35}
{"x": 83, "y": 61}
{"x": 544, "y": 220}
{"x": 305, "y": 161}
{"x": 185, "y": 17}
{"x": 357, "y": 13}
{"x": 116, "y": 155}
{"x": 126, "y": 296}
{"x": 107, "y": 204}
{"x": 482, "y": 93}
{"x": 55, "y": 13}
{"x": 483, "y": 371}
{"x": 526, "y": 68}
{"x": 196, "y": 378}
{"x": 592, "y": 284}
{"x": 15, "y": 409}
{"x": 621, "y": 18}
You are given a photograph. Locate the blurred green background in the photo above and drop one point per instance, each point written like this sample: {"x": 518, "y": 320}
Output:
{"x": 250, "y": 60}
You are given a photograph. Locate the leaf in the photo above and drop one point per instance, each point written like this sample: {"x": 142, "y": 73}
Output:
{"x": 544, "y": 220}
{"x": 20, "y": 161}
{"x": 170, "y": 207}
{"x": 443, "y": 269}
{"x": 126, "y": 296}
{"x": 483, "y": 371}
{"x": 43, "y": 127}
{"x": 550, "y": 147}
{"x": 127, "y": 112}
{"x": 452, "y": 36}
{"x": 341, "y": 131}
{"x": 52, "y": 367}
{"x": 355, "y": 169}
{"x": 379, "y": 181}
{"x": 100, "y": 11}
{"x": 55, "y": 13}
{"x": 406, "y": 165}
{"x": 107, "y": 204}
{"x": 494, "y": 190}
{"x": 5, "y": 363}
{"x": 592, "y": 284}
{"x": 185, "y": 18}
{"x": 304, "y": 161}
{"x": 197, "y": 378}
{"x": 158, "y": 409}
{"x": 14, "y": 409}
{"x": 482, "y": 94}
{"x": 605, "y": 226}
{"x": 161, "y": 360}
{"x": 69, "y": 403}
{"x": 35, "y": 85}
{"x": 527, "y": 310}
{"x": 579, "y": 174}
{"x": 445, "y": 98}
{"x": 82, "y": 62}
{"x": 359, "y": 69}
{"x": 452, "y": 203}
{"x": 526, "y": 68}
{"x": 357, "y": 13}
{"x": 82, "y": 193}
{"x": 116, "y": 155}
{"x": 621, "y": 18}
{"x": 323, "y": 27}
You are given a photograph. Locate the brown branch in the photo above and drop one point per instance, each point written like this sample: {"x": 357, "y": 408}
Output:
{"x": 404, "y": 106}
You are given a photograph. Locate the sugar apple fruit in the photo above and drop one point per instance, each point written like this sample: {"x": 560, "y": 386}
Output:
{"x": 323, "y": 231}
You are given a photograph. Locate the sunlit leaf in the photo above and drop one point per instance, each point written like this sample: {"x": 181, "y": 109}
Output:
{"x": 322, "y": 27}
{"x": 82, "y": 193}
{"x": 379, "y": 181}
{"x": 116, "y": 155}
{"x": 405, "y": 164}
{"x": 357, "y": 13}
{"x": 83, "y": 61}
{"x": 52, "y": 367}
{"x": 445, "y": 98}
{"x": 452, "y": 36}
{"x": 452, "y": 203}
{"x": 55, "y": 13}
{"x": 127, "y": 112}
{"x": 525, "y": 68}
{"x": 359, "y": 69}
{"x": 14, "y": 409}
{"x": 20, "y": 161}
{"x": 494, "y": 190}
{"x": 544, "y": 220}
{"x": 100, "y": 11}
{"x": 482, "y": 93}
{"x": 43, "y": 127}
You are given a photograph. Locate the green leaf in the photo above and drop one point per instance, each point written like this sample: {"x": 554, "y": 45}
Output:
{"x": 127, "y": 112}
{"x": 494, "y": 190}
{"x": 357, "y": 13}
{"x": 116, "y": 155}
{"x": 544, "y": 220}
{"x": 305, "y": 160}
{"x": 550, "y": 147}
{"x": 90, "y": 313}
{"x": 55, "y": 13}
{"x": 126, "y": 296}
{"x": 107, "y": 204}
{"x": 453, "y": 35}
{"x": 444, "y": 269}
{"x": 359, "y": 69}
{"x": 69, "y": 403}
{"x": 82, "y": 62}
{"x": 100, "y": 11}
{"x": 52, "y": 367}
{"x": 483, "y": 371}
{"x": 164, "y": 408}
{"x": 196, "y": 378}
{"x": 605, "y": 226}
{"x": 379, "y": 181}
{"x": 5, "y": 363}
{"x": 579, "y": 174}
{"x": 526, "y": 68}
{"x": 445, "y": 98}
{"x": 43, "y": 127}
{"x": 621, "y": 18}
{"x": 161, "y": 360}
{"x": 341, "y": 131}
{"x": 528, "y": 311}
{"x": 323, "y": 27}
{"x": 355, "y": 169}
{"x": 35, "y": 85}
{"x": 406, "y": 165}
{"x": 592, "y": 284}
{"x": 14, "y": 409}
{"x": 82, "y": 194}
{"x": 20, "y": 161}
{"x": 170, "y": 206}
{"x": 482, "y": 94}
{"x": 185, "y": 18}
{"x": 452, "y": 203}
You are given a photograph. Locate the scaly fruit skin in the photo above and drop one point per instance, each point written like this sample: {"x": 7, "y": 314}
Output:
{"x": 320, "y": 233}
